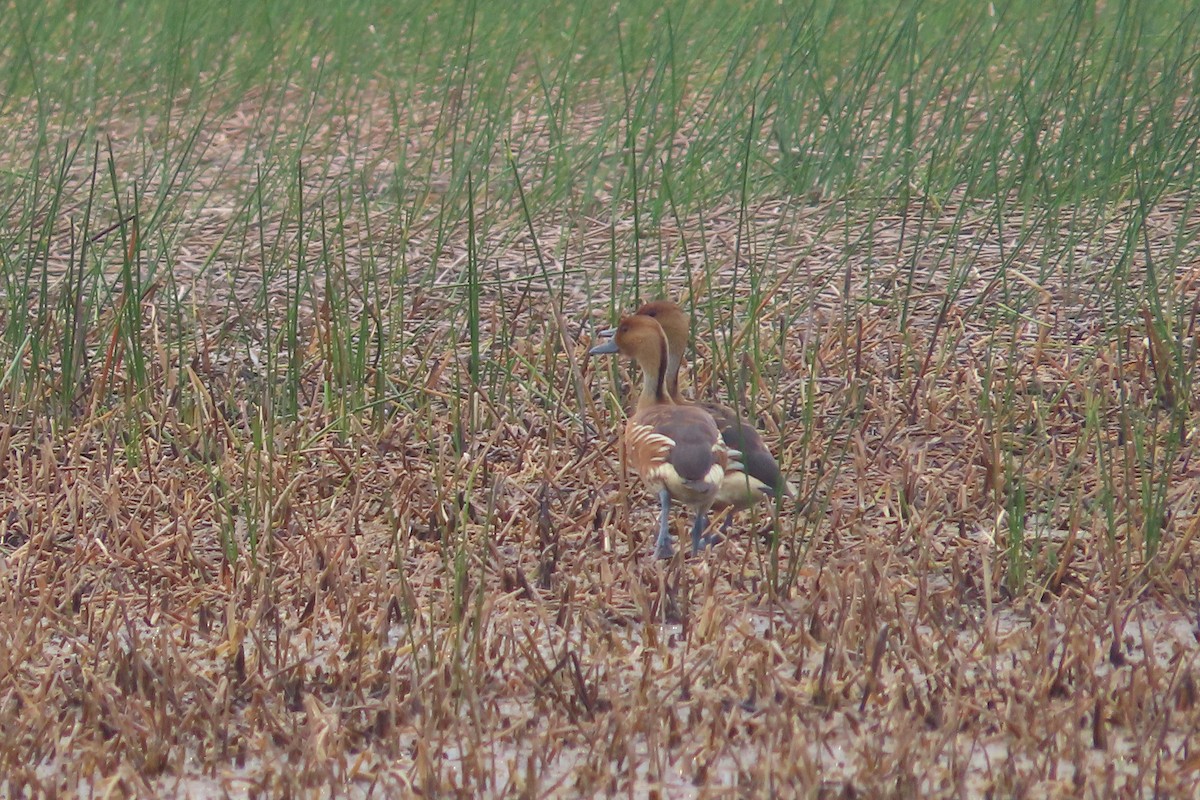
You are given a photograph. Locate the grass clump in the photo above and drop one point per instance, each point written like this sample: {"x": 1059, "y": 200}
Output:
{"x": 309, "y": 487}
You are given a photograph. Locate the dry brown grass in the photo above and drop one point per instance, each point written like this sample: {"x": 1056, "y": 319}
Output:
{"x": 489, "y": 623}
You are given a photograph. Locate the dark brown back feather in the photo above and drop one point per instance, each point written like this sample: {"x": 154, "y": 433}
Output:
{"x": 741, "y": 436}
{"x": 694, "y": 433}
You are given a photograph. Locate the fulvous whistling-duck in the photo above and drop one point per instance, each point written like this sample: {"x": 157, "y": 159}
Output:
{"x": 760, "y": 476}
{"x": 677, "y": 450}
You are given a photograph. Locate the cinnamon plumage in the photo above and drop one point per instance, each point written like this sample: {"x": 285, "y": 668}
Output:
{"x": 760, "y": 477}
{"x": 676, "y": 450}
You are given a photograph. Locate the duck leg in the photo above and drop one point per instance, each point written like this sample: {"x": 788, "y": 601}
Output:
{"x": 699, "y": 540}
{"x": 662, "y": 547}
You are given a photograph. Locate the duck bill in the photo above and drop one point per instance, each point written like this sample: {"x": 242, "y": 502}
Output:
{"x": 605, "y": 347}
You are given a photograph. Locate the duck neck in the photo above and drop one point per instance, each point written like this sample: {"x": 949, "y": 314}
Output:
{"x": 654, "y": 379}
{"x": 674, "y": 362}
